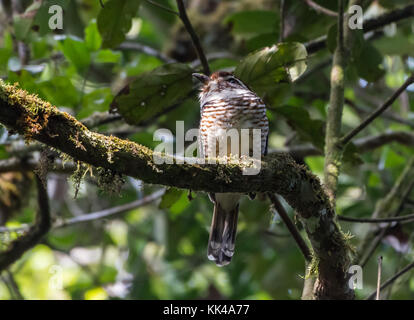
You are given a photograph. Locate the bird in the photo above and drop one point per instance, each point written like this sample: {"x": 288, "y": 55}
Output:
{"x": 227, "y": 103}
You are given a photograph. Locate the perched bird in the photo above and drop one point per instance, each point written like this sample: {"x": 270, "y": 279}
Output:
{"x": 227, "y": 103}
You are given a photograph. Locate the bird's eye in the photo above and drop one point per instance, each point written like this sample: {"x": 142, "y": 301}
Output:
{"x": 233, "y": 80}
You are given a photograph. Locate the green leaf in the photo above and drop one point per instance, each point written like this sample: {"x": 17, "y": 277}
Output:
{"x": 261, "y": 41}
{"x": 107, "y": 56}
{"x": 97, "y": 100}
{"x": 152, "y": 92}
{"x": 313, "y": 130}
{"x": 253, "y": 22}
{"x": 369, "y": 64}
{"x": 352, "y": 154}
{"x": 309, "y": 129}
{"x": 397, "y": 45}
{"x": 356, "y": 40}
{"x": 171, "y": 196}
{"x": 93, "y": 39}
{"x": 21, "y": 27}
{"x": 115, "y": 20}
{"x": 263, "y": 69}
{"x": 77, "y": 53}
{"x": 59, "y": 91}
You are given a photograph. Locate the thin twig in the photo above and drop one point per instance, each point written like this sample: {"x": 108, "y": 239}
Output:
{"x": 111, "y": 211}
{"x": 99, "y": 118}
{"x": 321, "y": 9}
{"x": 163, "y": 7}
{"x": 42, "y": 225}
{"x": 386, "y": 115}
{"x": 391, "y": 205}
{"x": 379, "y": 277}
{"x": 348, "y": 137}
{"x": 128, "y": 45}
{"x": 406, "y": 218}
{"x": 196, "y": 41}
{"x": 214, "y": 56}
{"x": 363, "y": 144}
{"x": 392, "y": 280}
{"x": 369, "y": 25}
{"x": 98, "y": 215}
{"x": 291, "y": 226}
{"x": 282, "y": 19}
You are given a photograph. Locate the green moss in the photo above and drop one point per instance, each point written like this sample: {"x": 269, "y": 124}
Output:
{"x": 78, "y": 175}
{"x": 110, "y": 181}
{"x": 313, "y": 267}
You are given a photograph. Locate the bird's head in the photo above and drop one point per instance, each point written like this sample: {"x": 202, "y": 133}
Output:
{"x": 220, "y": 84}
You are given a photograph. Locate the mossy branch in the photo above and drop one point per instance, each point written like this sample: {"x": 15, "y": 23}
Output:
{"x": 38, "y": 120}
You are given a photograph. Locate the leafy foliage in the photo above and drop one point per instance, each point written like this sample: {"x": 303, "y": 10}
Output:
{"x": 153, "y": 92}
{"x": 283, "y": 62}
{"x": 115, "y": 20}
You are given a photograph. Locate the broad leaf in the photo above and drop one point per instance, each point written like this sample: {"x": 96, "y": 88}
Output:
{"x": 77, "y": 53}
{"x": 262, "y": 69}
{"x": 369, "y": 63}
{"x": 253, "y": 22}
{"x": 153, "y": 92}
{"x": 171, "y": 196}
{"x": 313, "y": 130}
{"x": 309, "y": 129}
{"x": 355, "y": 44}
{"x": 115, "y": 20}
{"x": 93, "y": 39}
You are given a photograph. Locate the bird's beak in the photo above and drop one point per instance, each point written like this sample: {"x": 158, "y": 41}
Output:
{"x": 201, "y": 77}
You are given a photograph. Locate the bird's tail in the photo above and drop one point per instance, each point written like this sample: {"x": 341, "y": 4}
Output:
{"x": 222, "y": 234}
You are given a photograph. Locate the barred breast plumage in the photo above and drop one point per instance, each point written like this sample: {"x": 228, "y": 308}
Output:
{"x": 227, "y": 103}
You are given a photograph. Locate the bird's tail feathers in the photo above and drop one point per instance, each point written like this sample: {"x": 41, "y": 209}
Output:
{"x": 222, "y": 238}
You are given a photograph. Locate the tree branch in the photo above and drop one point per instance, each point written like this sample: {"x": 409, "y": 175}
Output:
{"x": 333, "y": 152}
{"x": 19, "y": 246}
{"x": 147, "y": 50}
{"x": 99, "y": 118}
{"x": 163, "y": 7}
{"x": 38, "y": 120}
{"x": 348, "y": 137}
{"x": 282, "y": 8}
{"x": 364, "y": 144}
{"x": 385, "y": 208}
{"x": 15, "y": 164}
{"x": 406, "y": 218}
{"x": 196, "y": 41}
{"x": 321, "y": 9}
{"x": 291, "y": 227}
{"x": 369, "y": 25}
{"x": 94, "y": 216}
{"x": 388, "y": 114}
{"x": 103, "y": 214}
{"x": 392, "y": 280}
{"x": 379, "y": 277}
